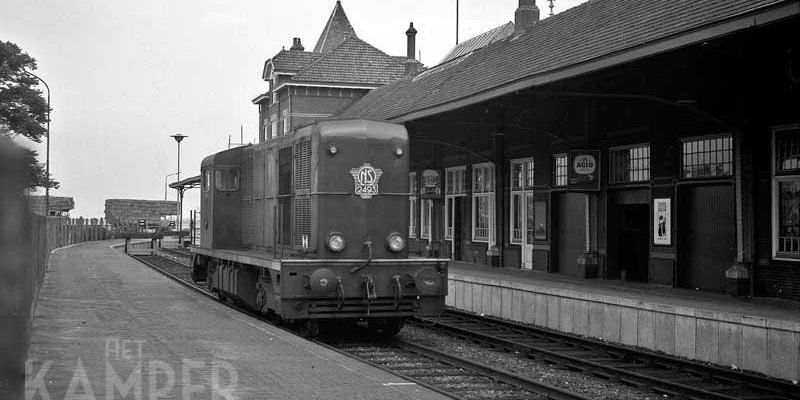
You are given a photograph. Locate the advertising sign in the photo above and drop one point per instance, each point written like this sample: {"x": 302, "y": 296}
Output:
{"x": 431, "y": 184}
{"x": 662, "y": 222}
{"x": 583, "y": 170}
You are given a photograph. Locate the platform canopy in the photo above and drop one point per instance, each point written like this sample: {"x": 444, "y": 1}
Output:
{"x": 188, "y": 183}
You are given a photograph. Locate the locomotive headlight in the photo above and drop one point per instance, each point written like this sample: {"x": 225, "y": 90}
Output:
{"x": 396, "y": 242}
{"x": 398, "y": 151}
{"x": 336, "y": 242}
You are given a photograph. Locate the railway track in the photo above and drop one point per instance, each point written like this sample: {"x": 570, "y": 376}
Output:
{"x": 659, "y": 373}
{"x": 452, "y": 376}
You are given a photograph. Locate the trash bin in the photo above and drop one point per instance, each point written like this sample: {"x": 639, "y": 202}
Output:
{"x": 737, "y": 280}
{"x": 588, "y": 266}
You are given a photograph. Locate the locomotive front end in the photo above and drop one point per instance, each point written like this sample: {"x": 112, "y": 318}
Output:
{"x": 361, "y": 232}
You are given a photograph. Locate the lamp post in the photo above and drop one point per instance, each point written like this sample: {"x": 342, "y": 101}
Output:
{"x": 47, "y": 159}
{"x": 178, "y": 138}
{"x": 165, "y": 184}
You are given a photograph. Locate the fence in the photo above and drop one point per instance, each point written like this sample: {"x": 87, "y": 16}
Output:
{"x": 26, "y": 241}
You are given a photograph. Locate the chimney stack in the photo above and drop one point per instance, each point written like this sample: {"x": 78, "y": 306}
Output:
{"x": 526, "y": 15}
{"x": 296, "y": 45}
{"x": 411, "y": 62}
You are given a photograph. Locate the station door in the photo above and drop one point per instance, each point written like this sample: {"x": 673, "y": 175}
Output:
{"x": 707, "y": 241}
{"x": 569, "y": 229}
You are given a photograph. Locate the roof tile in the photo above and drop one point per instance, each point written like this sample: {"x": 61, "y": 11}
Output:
{"x": 592, "y": 30}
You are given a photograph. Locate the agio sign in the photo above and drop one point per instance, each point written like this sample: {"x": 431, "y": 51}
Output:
{"x": 584, "y": 171}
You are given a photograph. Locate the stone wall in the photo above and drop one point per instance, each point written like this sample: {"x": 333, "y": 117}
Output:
{"x": 767, "y": 345}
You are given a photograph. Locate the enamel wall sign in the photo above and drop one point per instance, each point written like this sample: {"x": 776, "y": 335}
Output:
{"x": 366, "y": 179}
{"x": 584, "y": 170}
{"x": 662, "y": 222}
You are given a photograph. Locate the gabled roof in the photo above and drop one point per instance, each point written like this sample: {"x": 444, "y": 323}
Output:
{"x": 289, "y": 61}
{"x": 472, "y": 44}
{"x": 595, "y": 35}
{"x": 336, "y": 30}
{"x": 293, "y": 60}
{"x": 353, "y": 61}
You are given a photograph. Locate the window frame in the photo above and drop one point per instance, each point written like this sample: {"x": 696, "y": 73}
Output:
{"x": 217, "y": 178}
{"x": 489, "y": 195}
{"x": 688, "y": 139}
{"x": 412, "y": 205}
{"x": 426, "y": 218}
{"x": 779, "y": 177}
{"x": 449, "y": 197}
{"x": 207, "y": 180}
{"x": 556, "y": 168}
{"x": 526, "y": 183}
{"x": 612, "y": 167}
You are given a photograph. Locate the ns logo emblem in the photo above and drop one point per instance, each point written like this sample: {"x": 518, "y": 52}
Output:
{"x": 365, "y": 179}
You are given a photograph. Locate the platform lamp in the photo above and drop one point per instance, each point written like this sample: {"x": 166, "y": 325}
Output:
{"x": 47, "y": 159}
{"x": 178, "y": 138}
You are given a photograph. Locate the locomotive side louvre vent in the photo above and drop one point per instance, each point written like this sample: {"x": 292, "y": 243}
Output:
{"x": 248, "y": 218}
{"x": 247, "y": 176}
{"x": 302, "y": 221}
{"x": 302, "y": 165}
{"x": 248, "y": 224}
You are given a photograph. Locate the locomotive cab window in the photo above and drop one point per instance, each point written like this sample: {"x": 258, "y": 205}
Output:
{"x": 227, "y": 179}
{"x": 207, "y": 180}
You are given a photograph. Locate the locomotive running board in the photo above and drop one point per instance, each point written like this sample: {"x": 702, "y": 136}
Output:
{"x": 259, "y": 259}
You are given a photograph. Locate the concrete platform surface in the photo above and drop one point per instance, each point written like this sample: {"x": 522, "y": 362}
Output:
{"x": 755, "y": 334}
{"x": 108, "y": 327}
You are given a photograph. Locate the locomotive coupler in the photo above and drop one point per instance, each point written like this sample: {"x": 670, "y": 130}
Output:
{"x": 369, "y": 287}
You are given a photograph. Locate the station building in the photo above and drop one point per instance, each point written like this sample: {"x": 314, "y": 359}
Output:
{"x": 305, "y": 86}
{"x": 647, "y": 141}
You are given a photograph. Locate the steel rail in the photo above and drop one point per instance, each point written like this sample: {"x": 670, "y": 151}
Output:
{"x": 549, "y": 391}
{"x": 513, "y": 380}
{"x": 499, "y": 333}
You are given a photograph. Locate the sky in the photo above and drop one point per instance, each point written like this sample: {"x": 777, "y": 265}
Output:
{"x": 125, "y": 75}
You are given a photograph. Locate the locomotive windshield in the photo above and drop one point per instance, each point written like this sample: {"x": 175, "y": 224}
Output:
{"x": 227, "y": 179}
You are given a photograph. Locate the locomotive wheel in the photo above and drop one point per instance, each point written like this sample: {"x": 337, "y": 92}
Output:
{"x": 308, "y": 328}
{"x": 385, "y": 327}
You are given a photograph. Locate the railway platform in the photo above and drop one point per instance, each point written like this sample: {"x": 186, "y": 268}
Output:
{"x": 107, "y": 326}
{"x": 755, "y": 334}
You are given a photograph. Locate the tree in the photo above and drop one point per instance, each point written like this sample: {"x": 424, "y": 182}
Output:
{"x": 23, "y": 110}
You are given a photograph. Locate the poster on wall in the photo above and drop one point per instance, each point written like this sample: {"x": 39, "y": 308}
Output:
{"x": 662, "y": 222}
{"x": 584, "y": 170}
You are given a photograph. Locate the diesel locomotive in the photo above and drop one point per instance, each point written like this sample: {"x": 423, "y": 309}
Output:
{"x": 313, "y": 226}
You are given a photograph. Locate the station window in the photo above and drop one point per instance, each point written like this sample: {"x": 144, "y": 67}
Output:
{"x": 412, "y": 205}
{"x": 786, "y": 192}
{"x": 227, "y": 179}
{"x": 455, "y": 186}
{"x": 483, "y": 203}
{"x": 708, "y": 157}
{"x": 522, "y": 180}
{"x": 426, "y": 211}
{"x": 629, "y": 164}
{"x": 559, "y": 170}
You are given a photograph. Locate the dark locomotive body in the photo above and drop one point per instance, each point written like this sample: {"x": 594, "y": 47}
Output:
{"x": 275, "y": 214}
